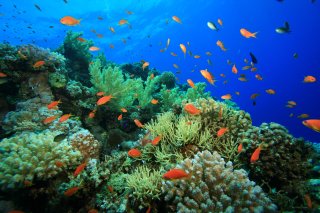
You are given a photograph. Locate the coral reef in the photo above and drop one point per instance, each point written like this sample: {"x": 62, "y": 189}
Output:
{"x": 214, "y": 186}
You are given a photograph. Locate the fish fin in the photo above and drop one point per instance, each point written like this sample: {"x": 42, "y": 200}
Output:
{"x": 254, "y": 34}
{"x": 286, "y": 25}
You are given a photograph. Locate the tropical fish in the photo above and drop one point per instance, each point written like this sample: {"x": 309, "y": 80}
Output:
{"x": 138, "y": 123}
{"x": 69, "y": 21}
{"x": 254, "y": 96}
{"x": 120, "y": 117}
{"x": 191, "y": 109}
{"x": 221, "y": 45}
{"x": 303, "y": 116}
{"x": 176, "y": 66}
{"x": 184, "y": 49}
{"x": 246, "y": 67}
{"x": 100, "y": 93}
{"x": 104, "y": 100}
{"x": 293, "y": 103}
{"x": 240, "y": 147}
{"x": 134, "y": 153}
{"x": 64, "y": 117}
{"x": 49, "y": 119}
{"x": 190, "y": 82}
{"x": 234, "y": 69}
{"x": 222, "y": 131}
{"x": 177, "y": 19}
{"x": 60, "y": 137}
{"x": 313, "y": 124}
{"x": 271, "y": 91}
{"x": 123, "y": 21}
{"x": 309, "y": 79}
{"x": 226, "y": 97}
{"x": 94, "y": 48}
{"x": 255, "y": 155}
{"x": 212, "y": 26}
{"x": 144, "y": 65}
{"x": 308, "y": 201}
{"x": 295, "y": 55}
{"x": 59, "y": 164}
{"x": 53, "y": 104}
{"x": 156, "y": 140}
{"x": 174, "y": 174}
{"x": 124, "y": 110}
{"x": 253, "y": 58}
{"x": 284, "y": 29}
{"x": 258, "y": 77}
{"x": 38, "y": 7}
{"x": 79, "y": 169}
{"x": 154, "y": 101}
{"x": 209, "y": 62}
{"x": 208, "y": 53}
{"x": 112, "y": 29}
{"x": 173, "y": 54}
{"x": 71, "y": 191}
{"x": 168, "y": 43}
{"x": 207, "y": 75}
{"x": 38, "y": 64}
{"x": 196, "y": 56}
{"x": 81, "y": 39}
{"x": 220, "y": 22}
{"x": 245, "y": 33}
{"x": 92, "y": 114}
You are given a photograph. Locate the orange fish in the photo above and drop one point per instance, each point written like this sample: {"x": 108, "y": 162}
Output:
{"x": 234, "y": 69}
{"x": 313, "y": 124}
{"x": 244, "y": 79}
{"x": 93, "y": 211}
{"x": 69, "y": 21}
{"x": 144, "y": 65}
{"x": 38, "y": 64}
{"x": 123, "y": 21}
{"x": 254, "y": 96}
{"x": 196, "y": 56}
{"x": 53, "y": 104}
{"x": 258, "y": 77}
{"x": 308, "y": 200}
{"x": 245, "y": 33}
{"x": 221, "y": 45}
{"x": 81, "y": 39}
{"x": 93, "y": 48}
{"x": 134, "y": 153}
{"x": 303, "y": 116}
{"x": 253, "y": 69}
{"x": 220, "y": 22}
{"x": 173, "y": 54}
{"x": 226, "y": 97}
{"x": 293, "y": 103}
{"x": 183, "y": 49}
{"x": 64, "y": 117}
{"x": 104, "y": 100}
{"x": 246, "y": 67}
{"x": 240, "y": 147}
{"x": 49, "y": 119}
{"x": 176, "y": 66}
{"x": 100, "y": 94}
{"x": 3, "y": 75}
{"x": 92, "y": 114}
{"x": 71, "y": 191}
{"x": 112, "y": 29}
{"x": 111, "y": 46}
{"x": 151, "y": 76}
{"x": 190, "y": 82}
{"x": 174, "y": 174}
{"x": 177, "y": 19}
{"x": 59, "y": 164}
{"x": 79, "y": 169}
{"x": 154, "y": 101}
{"x": 191, "y": 109}
{"x": 138, "y": 123}
{"x": 207, "y": 75}
{"x": 156, "y": 140}
{"x": 222, "y": 131}
{"x": 237, "y": 93}
{"x": 255, "y": 155}
{"x": 309, "y": 79}
{"x": 271, "y": 91}
{"x": 124, "y": 110}
{"x": 120, "y": 117}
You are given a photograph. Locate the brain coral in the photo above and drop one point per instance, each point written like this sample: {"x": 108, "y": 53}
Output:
{"x": 28, "y": 156}
{"x": 214, "y": 186}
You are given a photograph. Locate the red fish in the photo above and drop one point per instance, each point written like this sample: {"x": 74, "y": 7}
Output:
{"x": 154, "y": 101}
{"x": 174, "y": 174}
{"x": 156, "y": 140}
{"x": 64, "y": 117}
{"x": 71, "y": 191}
{"x": 3, "y": 75}
{"x": 240, "y": 147}
{"x": 177, "y": 19}
{"x": 104, "y": 100}
{"x": 49, "y": 119}
{"x": 191, "y": 109}
{"x": 53, "y": 104}
{"x": 138, "y": 123}
{"x": 255, "y": 155}
{"x": 79, "y": 169}
{"x": 222, "y": 131}
{"x": 308, "y": 200}
{"x": 69, "y": 21}
{"x": 134, "y": 153}
{"x": 313, "y": 124}
{"x": 38, "y": 64}
{"x": 120, "y": 117}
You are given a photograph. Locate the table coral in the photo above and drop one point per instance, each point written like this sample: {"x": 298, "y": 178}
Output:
{"x": 214, "y": 186}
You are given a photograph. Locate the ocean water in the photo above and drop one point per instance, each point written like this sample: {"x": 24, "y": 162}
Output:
{"x": 151, "y": 26}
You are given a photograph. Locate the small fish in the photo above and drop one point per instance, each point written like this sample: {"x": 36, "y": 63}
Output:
{"x": 93, "y": 211}
{"x": 240, "y": 147}
{"x": 207, "y": 75}
{"x": 60, "y": 137}
{"x": 246, "y": 67}
{"x": 81, "y": 39}
{"x": 3, "y": 75}
{"x": 175, "y": 66}
{"x": 71, "y": 191}
{"x": 212, "y": 26}
{"x": 177, "y": 19}
{"x": 313, "y": 124}
{"x": 173, "y": 54}
{"x": 94, "y": 48}
{"x": 124, "y": 110}
{"x": 104, "y": 100}
{"x": 222, "y": 131}
{"x": 234, "y": 69}
{"x": 226, "y": 97}
{"x": 293, "y": 103}
{"x": 191, "y": 109}
{"x": 144, "y": 65}
{"x": 120, "y": 117}
{"x": 168, "y": 43}
{"x": 79, "y": 169}
{"x": 303, "y": 116}
{"x": 92, "y": 114}
{"x": 255, "y": 155}
{"x": 174, "y": 174}
{"x": 38, "y": 64}
{"x": 156, "y": 140}
{"x": 247, "y": 34}
{"x": 100, "y": 93}
{"x": 134, "y": 153}
{"x": 220, "y": 22}
{"x": 308, "y": 201}
{"x": 112, "y": 29}
{"x": 196, "y": 56}
{"x": 209, "y": 62}
{"x": 253, "y": 58}
{"x": 271, "y": 91}
{"x": 154, "y": 101}
{"x": 295, "y": 55}
{"x": 59, "y": 164}
{"x": 221, "y": 45}
{"x": 64, "y": 117}
{"x": 49, "y": 119}
{"x": 54, "y": 104}
{"x": 258, "y": 77}
{"x": 123, "y": 21}
{"x": 243, "y": 79}
{"x": 69, "y": 21}
{"x": 138, "y": 123}
{"x": 38, "y": 7}
{"x": 254, "y": 96}
{"x": 237, "y": 93}
{"x": 208, "y": 53}
{"x": 284, "y": 29}
{"x": 111, "y": 46}
{"x": 190, "y": 82}
{"x": 100, "y": 18}
{"x": 253, "y": 69}
{"x": 309, "y": 79}
{"x": 183, "y": 49}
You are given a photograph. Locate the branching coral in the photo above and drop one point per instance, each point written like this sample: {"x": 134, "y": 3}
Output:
{"x": 29, "y": 155}
{"x": 214, "y": 186}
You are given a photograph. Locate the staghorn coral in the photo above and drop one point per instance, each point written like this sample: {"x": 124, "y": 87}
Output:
{"x": 214, "y": 186}
{"x": 29, "y": 156}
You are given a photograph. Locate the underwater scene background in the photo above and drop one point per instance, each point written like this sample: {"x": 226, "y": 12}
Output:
{"x": 159, "y": 106}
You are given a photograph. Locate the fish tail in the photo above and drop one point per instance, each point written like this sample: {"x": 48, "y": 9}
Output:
{"x": 254, "y": 34}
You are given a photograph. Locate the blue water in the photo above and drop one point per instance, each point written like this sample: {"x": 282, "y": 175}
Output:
{"x": 152, "y": 25}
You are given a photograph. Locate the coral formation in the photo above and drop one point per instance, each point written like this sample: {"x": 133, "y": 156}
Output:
{"x": 214, "y": 186}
